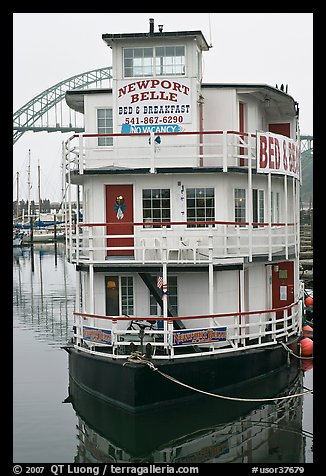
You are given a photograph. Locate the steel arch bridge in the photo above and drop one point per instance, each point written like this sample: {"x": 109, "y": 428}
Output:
{"x": 45, "y": 111}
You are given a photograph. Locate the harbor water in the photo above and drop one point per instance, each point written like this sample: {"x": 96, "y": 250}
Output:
{"x": 55, "y": 421}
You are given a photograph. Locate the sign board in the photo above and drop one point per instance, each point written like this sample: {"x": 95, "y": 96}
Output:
{"x": 283, "y": 293}
{"x": 277, "y": 154}
{"x": 153, "y": 105}
{"x": 199, "y": 336}
{"x": 99, "y": 336}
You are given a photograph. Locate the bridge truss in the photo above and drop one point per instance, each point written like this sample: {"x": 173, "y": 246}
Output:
{"x": 46, "y": 111}
{"x": 307, "y": 146}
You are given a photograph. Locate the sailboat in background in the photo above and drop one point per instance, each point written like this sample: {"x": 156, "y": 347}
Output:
{"x": 18, "y": 233}
{"x": 47, "y": 227}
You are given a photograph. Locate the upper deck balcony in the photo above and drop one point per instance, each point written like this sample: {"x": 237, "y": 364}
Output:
{"x": 165, "y": 149}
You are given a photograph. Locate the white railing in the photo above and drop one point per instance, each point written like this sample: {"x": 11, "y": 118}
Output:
{"x": 241, "y": 331}
{"x": 179, "y": 242}
{"x": 223, "y": 149}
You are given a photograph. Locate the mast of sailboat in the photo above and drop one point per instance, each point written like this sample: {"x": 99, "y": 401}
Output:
{"x": 39, "y": 190}
{"x": 29, "y": 184}
{"x": 17, "y": 199}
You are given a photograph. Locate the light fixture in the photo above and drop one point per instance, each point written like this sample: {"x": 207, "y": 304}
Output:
{"x": 111, "y": 285}
{"x": 160, "y": 28}
{"x": 276, "y": 268}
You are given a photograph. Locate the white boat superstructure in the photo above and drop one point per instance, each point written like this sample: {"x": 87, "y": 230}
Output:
{"x": 189, "y": 244}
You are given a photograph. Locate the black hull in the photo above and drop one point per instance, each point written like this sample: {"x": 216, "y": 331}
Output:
{"x": 136, "y": 386}
{"x": 135, "y": 434}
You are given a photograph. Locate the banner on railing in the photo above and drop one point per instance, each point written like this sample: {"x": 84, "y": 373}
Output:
{"x": 199, "y": 336}
{"x": 99, "y": 336}
{"x": 277, "y": 154}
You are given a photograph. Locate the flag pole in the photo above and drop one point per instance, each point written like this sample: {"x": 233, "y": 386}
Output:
{"x": 165, "y": 303}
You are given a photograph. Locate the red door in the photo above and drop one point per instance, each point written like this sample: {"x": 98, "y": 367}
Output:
{"x": 282, "y": 285}
{"x": 280, "y": 128}
{"x": 120, "y": 217}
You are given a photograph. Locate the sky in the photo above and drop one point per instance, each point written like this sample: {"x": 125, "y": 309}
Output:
{"x": 264, "y": 48}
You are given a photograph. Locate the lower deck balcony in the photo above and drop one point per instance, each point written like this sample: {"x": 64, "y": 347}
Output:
{"x": 166, "y": 338}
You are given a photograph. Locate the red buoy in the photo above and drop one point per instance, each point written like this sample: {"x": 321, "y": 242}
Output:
{"x": 307, "y": 331}
{"x": 309, "y": 301}
{"x": 307, "y": 364}
{"x": 306, "y": 347}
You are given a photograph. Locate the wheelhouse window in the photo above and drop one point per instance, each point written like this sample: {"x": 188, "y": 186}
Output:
{"x": 159, "y": 61}
{"x": 104, "y": 126}
{"x": 200, "y": 206}
{"x": 258, "y": 202}
{"x": 169, "y": 60}
{"x": 156, "y": 206}
{"x": 138, "y": 62}
{"x": 119, "y": 294}
{"x": 240, "y": 205}
{"x": 155, "y": 309}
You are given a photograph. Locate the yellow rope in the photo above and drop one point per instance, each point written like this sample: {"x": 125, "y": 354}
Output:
{"x": 137, "y": 358}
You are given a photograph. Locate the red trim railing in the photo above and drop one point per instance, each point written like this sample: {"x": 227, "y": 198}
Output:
{"x": 240, "y": 334}
{"x": 183, "y": 133}
{"x": 180, "y": 318}
{"x": 245, "y": 239}
{"x": 185, "y": 223}
{"x": 230, "y": 149}
{"x": 199, "y": 152}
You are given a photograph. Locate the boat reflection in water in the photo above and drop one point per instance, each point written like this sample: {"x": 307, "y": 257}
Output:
{"x": 204, "y": 430}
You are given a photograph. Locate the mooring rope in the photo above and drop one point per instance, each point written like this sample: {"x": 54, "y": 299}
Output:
{"x": 302, "y": 357}
{"x": 138, "y": 358}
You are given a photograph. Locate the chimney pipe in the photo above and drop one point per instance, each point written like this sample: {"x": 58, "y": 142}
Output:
{"x": 151, "y": 26}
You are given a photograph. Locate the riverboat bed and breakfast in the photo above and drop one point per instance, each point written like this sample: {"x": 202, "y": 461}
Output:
{"x": 187, "y": 258}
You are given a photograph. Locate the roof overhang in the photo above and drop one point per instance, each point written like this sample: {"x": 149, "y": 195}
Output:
{"x": 113, "y": 38}
{"x": 274, "y": 99}
{"x": 75, "y": 97}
